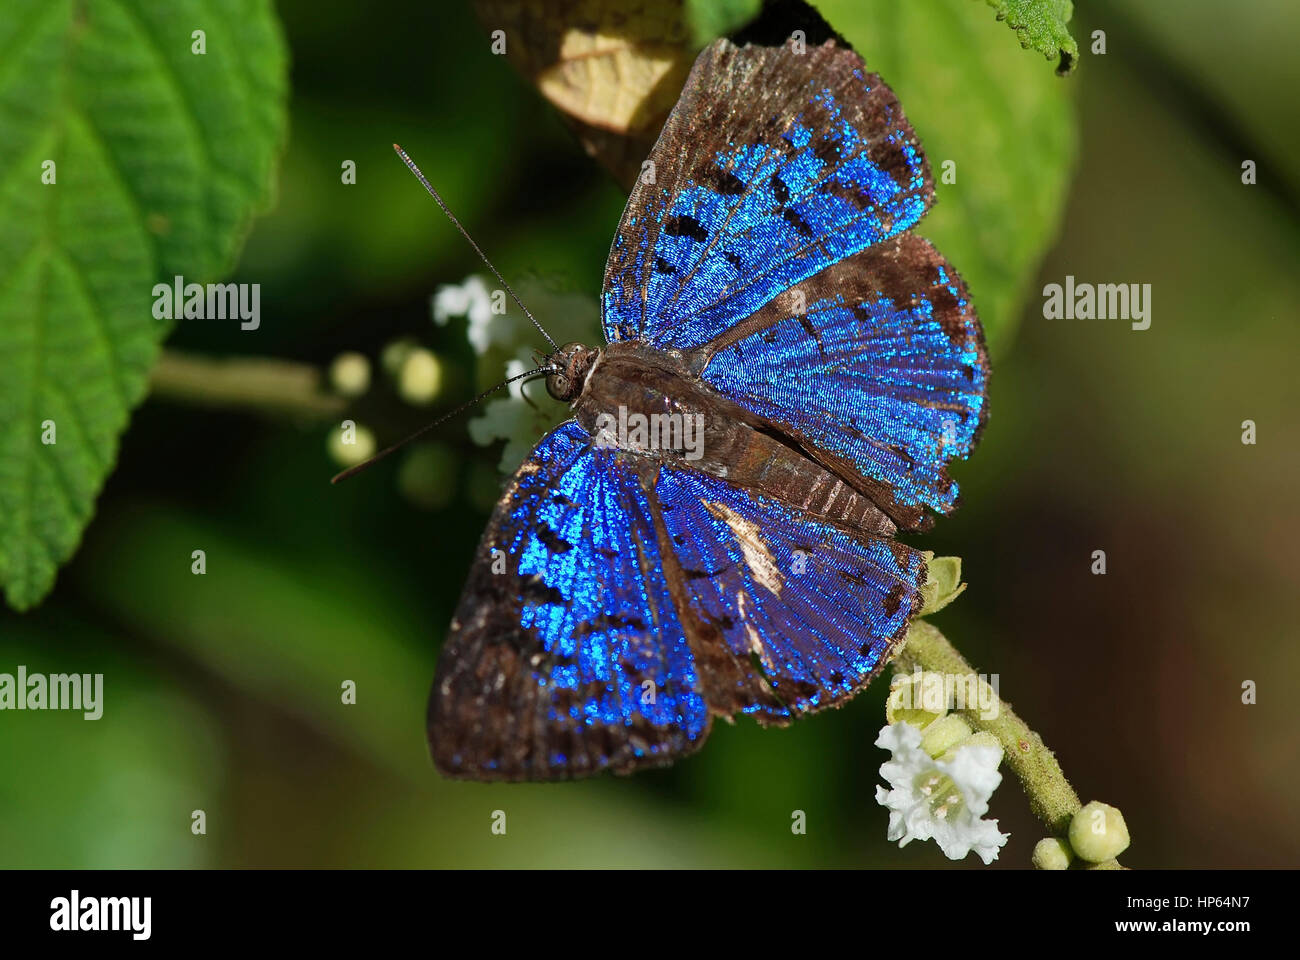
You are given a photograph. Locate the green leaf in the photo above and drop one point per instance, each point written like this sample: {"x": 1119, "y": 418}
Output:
{"x": 1001, "y": 126}
{"x": 943, "y": 583}
{"x": 159, "y": 157}
{"x": 715, "y": 18}
{"x": 1041, "y": 26}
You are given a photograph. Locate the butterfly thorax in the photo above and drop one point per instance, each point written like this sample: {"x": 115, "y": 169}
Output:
{"x": 649, "y": 403}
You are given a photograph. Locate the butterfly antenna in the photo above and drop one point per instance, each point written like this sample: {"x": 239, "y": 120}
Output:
{"x": 464, "y": 233}
{"x": 353, "y": 470}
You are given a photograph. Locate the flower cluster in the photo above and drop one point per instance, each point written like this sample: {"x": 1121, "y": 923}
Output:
{"x": 941, "y": 776}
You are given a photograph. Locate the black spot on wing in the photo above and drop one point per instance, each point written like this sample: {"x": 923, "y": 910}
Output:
{"x": 803, "y": 689}
{"x": 684, "y": 226}
{"x": 901, "y": 453}
{"x": 848, "y": 576}
{"x": 551, "y": 540}
{"x": 806, "y": 322}
{"x": 707, "y": 574}
{"x": 663, "y": 266}
{"x": 894, "y": 599}
{"x": 609, "y": 622}
{"x": 827, "y": 149}
{"x": 889, "y": 154}
{"x": 780, "y": 190}
{"x": 722, "y": 181}
{"x": 947, "y": 307}
{"x": 537, "y": 590}
{"x": 792, "y": 217}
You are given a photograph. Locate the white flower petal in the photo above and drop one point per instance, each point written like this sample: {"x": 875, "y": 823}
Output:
{"x": 473, "y": 300}
{"x": 975, "y": 771}
{"x": 509, "y": 417}
{"x": 916, "y": 814}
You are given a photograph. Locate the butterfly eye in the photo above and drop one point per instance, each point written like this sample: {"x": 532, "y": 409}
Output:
{"x": 560, "y": 386}
{"x": 572, "y": 363}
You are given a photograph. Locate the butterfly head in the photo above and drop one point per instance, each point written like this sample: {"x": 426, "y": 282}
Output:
{"x": 571, "y": 363}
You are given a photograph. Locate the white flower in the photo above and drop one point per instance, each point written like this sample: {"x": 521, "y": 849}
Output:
{"x": 511, "y": 418}
{"x": 508, "y": 415}
{"x": 473, "y": 300}
{"x": 940, "y": 800}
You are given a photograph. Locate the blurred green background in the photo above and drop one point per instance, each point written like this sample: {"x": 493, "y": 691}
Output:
{"x": 223, "y": 691}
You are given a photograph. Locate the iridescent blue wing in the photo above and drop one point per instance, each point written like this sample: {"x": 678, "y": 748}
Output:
{"x": 566, "y": 655}
{"x": 787, "y": 614}
{"x": 876, "y": 367}
{"x": 773, "y": 165}
{"x": 616, "y": 604}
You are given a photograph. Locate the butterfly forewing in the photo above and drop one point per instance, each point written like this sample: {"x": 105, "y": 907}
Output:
{"x": 773, "y": 165}
{"x": 566, "y": 655}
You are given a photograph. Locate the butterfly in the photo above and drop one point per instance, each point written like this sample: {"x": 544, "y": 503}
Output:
{"x": 764, "y": 285}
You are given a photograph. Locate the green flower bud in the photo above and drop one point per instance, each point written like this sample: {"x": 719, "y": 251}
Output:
{"x": 916, "y": 698}
{"x": 350, "y": 444}
{"x": 1052, "y": 853}
{"x": 1098, "y": 832}
{"x": 350, "y": 374}
{"x": 985, "y": 739}
{"x": 394, "y": 355}
{"x": 420, "y": 378}
{"x": 944, "y": 734}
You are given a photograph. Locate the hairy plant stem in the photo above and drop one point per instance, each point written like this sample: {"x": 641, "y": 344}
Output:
{"x": 260, "y": 384}
{"x": 1051, "y": 798}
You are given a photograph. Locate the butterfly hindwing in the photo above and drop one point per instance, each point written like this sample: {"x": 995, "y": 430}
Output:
{"x": 774, "y": 164}
{"x": 787, "y": 613}
{"x": 566, "y": 655}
